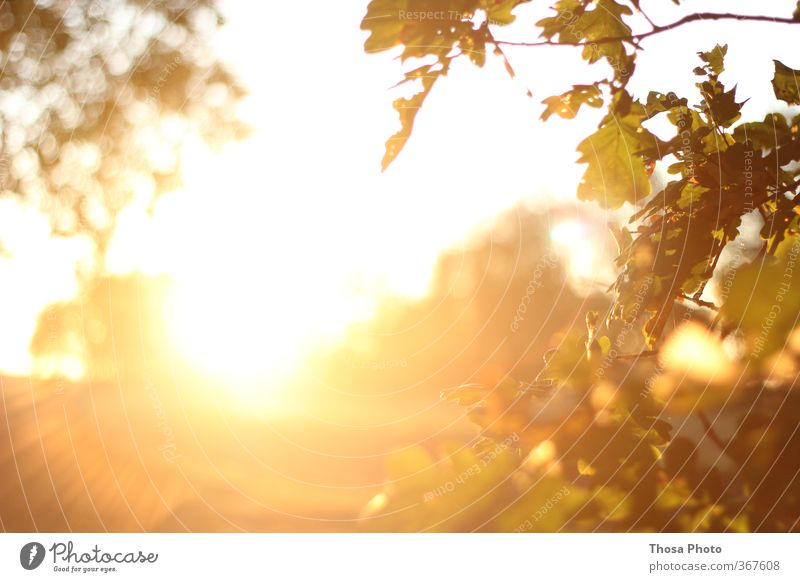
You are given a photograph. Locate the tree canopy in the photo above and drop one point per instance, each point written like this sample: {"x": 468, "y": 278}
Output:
{"x": 91, "y": 95}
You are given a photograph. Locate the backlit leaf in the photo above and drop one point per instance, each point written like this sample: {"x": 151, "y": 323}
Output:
{"x": 786, "y": 83}
{"x": 616, "y": 172}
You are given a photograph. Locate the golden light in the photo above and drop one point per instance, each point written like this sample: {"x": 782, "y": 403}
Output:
{"x": 39, "y": 269}
{"x": 694, "y": 351}
{"x": 276, "y": 244}
{"x": 573, "y": 242}
{"x": 250, "y": 292}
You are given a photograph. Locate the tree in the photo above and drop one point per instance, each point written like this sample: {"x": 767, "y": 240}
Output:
{"x": 114, "y": 327}
{"x": 90, "y": 89}
{"x": 608, "y": 424}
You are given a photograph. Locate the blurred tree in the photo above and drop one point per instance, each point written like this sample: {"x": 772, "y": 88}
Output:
{"x": 96, "y": 97}
{"x": 114, "y": 329}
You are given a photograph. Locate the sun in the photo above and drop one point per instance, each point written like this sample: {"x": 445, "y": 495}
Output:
{"x": 261, "y": 275}
{"x": 233, "y": 334}
{"x": 246, "y": 302}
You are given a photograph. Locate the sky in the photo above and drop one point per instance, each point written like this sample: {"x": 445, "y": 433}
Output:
{"x": 309, "y": 216}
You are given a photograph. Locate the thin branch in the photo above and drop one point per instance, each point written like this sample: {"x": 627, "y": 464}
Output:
{"x": 647, "y": 18}
{"x": 642, "y": 354}
{"x": 509, "y": 69}
{"x": 710, "y": 432}
{"x": 710, "y": 272}
{"x": 700, "y": 302}
{"x": 634, "y": 38}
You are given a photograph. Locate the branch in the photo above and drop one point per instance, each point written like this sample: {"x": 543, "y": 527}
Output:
{"x": 646, "y": 17}
{"x": 499, "y": 51}
{"x": 698, "y": 301}
{"x": 642, "y": 354}
{"x": 710, "y": 432}
{"x": 633, "y": 38}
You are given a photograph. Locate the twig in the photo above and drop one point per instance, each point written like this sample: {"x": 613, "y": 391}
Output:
{"x": 700, "y": 302}
{"x": 642, "y": 354}
{"x": 712, "y": 434}
{"x": 633, "y": 38}
{"x": 647, "y": 18}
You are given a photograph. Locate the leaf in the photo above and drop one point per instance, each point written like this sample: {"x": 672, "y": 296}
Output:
{"x": 384, "y": 25}
{"x": 622, "y": 238}
{"x": 408, "y": 108}
{"x": 570, "y": 363}
{"x": 763, "y": 301}
{"x": 585, "y": 468}
{"x": 767, "y": 134}
{"x": 714, "y": 59}
{"x": 691, "y": 194}
{"x": 421, "y": 28}
{"x": 474, "y": 46}
{"x": 574, "y": 24}
{"x": 616, "y": 172}
{"x": 785, "y": 83}
{"x": 604, "y": 22}
{"x": 663, "y": 429}
{"x": 499, "y": 11}
{"x": 720, "y": 105}
{"x": 465, "y": 395}
{"x": 568, "y": 12}
{"x": 661, "y": 201}
{"x": 605, "y": 344}
{"x": 659, "y": 103}
{"x": 568, "y": 104}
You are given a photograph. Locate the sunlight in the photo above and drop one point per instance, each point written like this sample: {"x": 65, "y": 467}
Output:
{"x": 38, "y": 269}
{"x": 263, "y": 279}
{"x": 694, "y": 351}
{"x": 572, "y": 241}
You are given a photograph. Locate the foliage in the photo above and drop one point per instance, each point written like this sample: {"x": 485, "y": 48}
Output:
{"x": 615, "y": 409}
{"x": 85, "y": 101}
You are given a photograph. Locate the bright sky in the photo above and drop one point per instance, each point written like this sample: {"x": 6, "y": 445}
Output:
{"x": 307, "y": 220}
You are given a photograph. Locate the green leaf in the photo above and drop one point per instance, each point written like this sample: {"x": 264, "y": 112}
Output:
{"x": 573, "y": 24}
{"x": 616, "y": 172}
{"x": 691, "y": 194}
{"x": 568, "y": 104}
{"x": 605, "y": 21}
{"x": 786, "y": 83}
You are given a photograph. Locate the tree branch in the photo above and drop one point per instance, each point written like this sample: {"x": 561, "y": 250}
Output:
{"x": 698, "y": 301}
{"x": 642, "y": 354}
{"x": 633, "y": 38}
{"x": 710, "y": 432}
